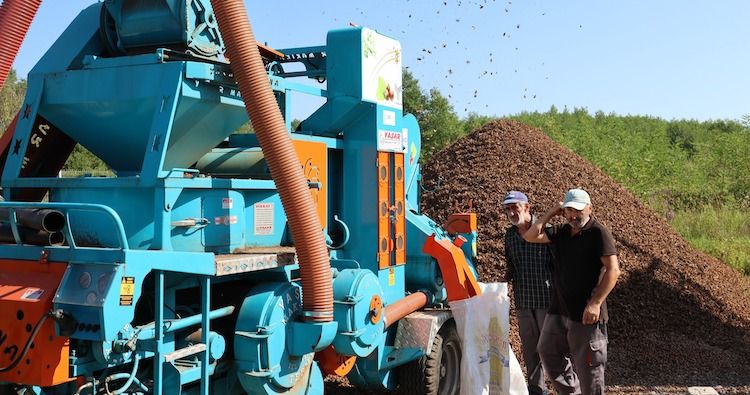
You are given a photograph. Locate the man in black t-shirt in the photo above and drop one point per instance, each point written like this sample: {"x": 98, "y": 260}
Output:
{"x": 586, "y": 271}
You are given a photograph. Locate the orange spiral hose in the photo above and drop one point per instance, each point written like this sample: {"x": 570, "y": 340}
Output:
{"x": 15, "y": 19}
{"x": 265, "y": 116}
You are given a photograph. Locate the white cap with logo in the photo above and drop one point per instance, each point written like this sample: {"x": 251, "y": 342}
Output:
{"x": 576, "y": 198}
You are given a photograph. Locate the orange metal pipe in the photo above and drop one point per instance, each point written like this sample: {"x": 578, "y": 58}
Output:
{"x": 281, "y": 157}
{"x": 15, "y": 19}
{"x": 404, "y": 307}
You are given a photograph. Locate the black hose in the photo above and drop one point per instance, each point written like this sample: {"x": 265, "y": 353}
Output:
{"x": 28, "y": 343}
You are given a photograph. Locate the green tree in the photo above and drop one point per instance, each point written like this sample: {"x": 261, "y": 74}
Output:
{"x": 745, "y": 121}
{"x": 438, "y": 122}
{"x": 415, "y": 101}
{"x": 11, "y": 98}
{"x": 474, "y": 121}
{"x": 82, "y": 160}
{"x": 682, "y": 135}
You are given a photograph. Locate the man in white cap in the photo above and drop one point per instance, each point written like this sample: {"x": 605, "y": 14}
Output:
{"x": 530, "y": 271}
{"x": 586, "y": 271}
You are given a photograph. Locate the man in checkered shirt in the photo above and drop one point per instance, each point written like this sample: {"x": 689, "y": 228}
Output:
{"x": 529, "y": 270}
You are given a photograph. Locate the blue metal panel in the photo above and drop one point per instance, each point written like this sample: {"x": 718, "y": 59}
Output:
{"x": 80, "y": 182}
{"x": 421, "y": 270}
{"x": 175, "y": 261}
{"x": 261, "y": 336}
{"x": 344, "y": 68}
{"x": 413, "y": 148}
{"x": 97, "y": 302}
{"x": 206, "y": 114}
{"x": 344, "y": 73}
{"x": 226, "y": 217}
{"x": 359, "y": 191}
{"x": 187, "y": 206}
{"x": 393, "y": 283}
{"x": 24, "y": 126}
{"x": 162, "y": 120}
{"x": 199, "y": 113}
{"x": 359, "y": 331}
{"x": 86, "y": 103}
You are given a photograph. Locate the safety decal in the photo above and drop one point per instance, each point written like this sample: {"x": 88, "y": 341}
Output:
{"x": 263, "y": 219}
{"x": 225, "y": 220}
{"x": 32, "y": 294}
{"x": 391, "y": 276}
{"x": 226, "y": 203}
{"x": 127, "y": 289}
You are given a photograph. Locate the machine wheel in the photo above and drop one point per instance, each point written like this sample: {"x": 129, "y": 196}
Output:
{"x": 439, "y": 372}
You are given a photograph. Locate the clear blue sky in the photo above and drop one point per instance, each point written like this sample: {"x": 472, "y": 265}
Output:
{"x": 670, "y": 59}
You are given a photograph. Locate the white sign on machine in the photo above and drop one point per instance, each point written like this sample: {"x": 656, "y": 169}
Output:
{"x": 381, "y": 69}
{"x": 390, "y": 141}
{"x": 263, "y": 219}
{"x": 389, "y": 118}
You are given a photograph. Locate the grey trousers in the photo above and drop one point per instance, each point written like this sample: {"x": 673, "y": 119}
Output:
{"x": 530, "y": 323}
{"x": 564, "y": 340}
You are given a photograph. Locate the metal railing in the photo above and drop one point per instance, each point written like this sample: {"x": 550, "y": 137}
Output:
{"x": 66, "y": 209}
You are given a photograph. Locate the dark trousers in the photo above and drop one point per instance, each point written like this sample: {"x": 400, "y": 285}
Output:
{"x": 564, "y": 341}
{"x": 530, "y": 323}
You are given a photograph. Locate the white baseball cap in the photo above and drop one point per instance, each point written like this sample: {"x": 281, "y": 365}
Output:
{"x": 576, "y": 198}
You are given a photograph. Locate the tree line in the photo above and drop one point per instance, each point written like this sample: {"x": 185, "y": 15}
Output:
{"x": 676, "y": 164}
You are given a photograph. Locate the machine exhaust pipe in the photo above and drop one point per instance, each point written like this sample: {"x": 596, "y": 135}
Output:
{"x": 15, "y": 19}
{"x": 40, "y": 219}
{"x": 279, "y": 152}
{"x": 30, "y": 236}
{"x": 403, "y": 307}
{"x": 56, "y": 239}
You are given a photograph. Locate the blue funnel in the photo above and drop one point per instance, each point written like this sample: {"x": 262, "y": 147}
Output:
{"x": 124, "y": 110}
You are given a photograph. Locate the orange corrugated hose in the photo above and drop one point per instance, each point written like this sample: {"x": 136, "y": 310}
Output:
{"x": 265, "y": 116}
{"x": 15, "y": 19}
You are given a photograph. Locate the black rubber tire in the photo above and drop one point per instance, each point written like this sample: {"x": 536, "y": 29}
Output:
{"x": 439, "y": 372}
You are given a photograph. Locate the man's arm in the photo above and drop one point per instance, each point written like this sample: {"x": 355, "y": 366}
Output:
{"x": 509, "y": 269}
{"x": 607, "y": 281}
{"x": 536, "y": 233}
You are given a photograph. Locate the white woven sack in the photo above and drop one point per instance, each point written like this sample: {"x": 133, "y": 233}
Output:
{"x": 488, "y": 366}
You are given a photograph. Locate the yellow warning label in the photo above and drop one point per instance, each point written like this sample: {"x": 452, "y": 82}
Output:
{"x": 391, "y": 276}
{"x": 127, "y": 289}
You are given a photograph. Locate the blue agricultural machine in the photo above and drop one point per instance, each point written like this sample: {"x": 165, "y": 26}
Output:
{"x": 213, "y": 261}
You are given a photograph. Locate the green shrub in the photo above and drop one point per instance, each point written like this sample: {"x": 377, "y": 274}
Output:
{"x": 721, "y": 232}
